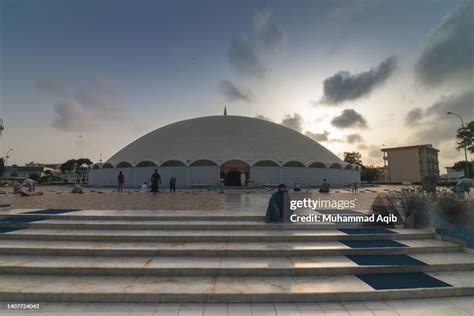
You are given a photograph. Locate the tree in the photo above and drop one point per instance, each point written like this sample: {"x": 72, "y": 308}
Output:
{"x": 465, "y": 137}
{"x": 75, "y": 165}
{"x": 353, "y": 158}
{"x": 369, "y": 173}
{"x": 461, "y": 166}
{"x": 68, "y": 166}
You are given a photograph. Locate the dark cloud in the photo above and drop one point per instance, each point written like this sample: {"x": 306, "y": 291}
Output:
{"x": 295, "y": 122}
{"x": 349, "y": 119}
{"x": 51, "y": 86}
{"x": 269, "y": 34}
{"x": 92, "y": 104}
{"x": 449, "y": 49}
{"x": 345, "y": 86}
{"x": 243, "y": 58}
{"x": 354, "y": 138}
{"x": 323, "y": 137}
{"x": 437, "y": 126}
{"x": 234, "y": 93}
{"x": 414, "y": 116}
{"x": 71, "y": 116}
{"x": 262, "y": 117}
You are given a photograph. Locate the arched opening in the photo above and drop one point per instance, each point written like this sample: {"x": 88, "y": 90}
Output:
{"x": 203, "y": 163}
{"x": 107, "y": 166}
{"x": 295, "y": 164}
{"x": 173, "y": 163}
{"x": 234, "y": 172}
{"x": 317, "y": 165}
{"x": 266, "y": 163}
{"x": 335, "y": 166}
{"x": 348, "y": 167}
{"x": 146, "y": 163}
{"x": 124, "y": 164}
{"x": 96, "y": 166}
{"x": 356, "y": 168}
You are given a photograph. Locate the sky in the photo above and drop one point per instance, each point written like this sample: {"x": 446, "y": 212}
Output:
{"x": 86, "y": 78}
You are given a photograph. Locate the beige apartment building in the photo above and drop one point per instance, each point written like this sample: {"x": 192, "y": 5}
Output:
{"x": 410, "y": 163}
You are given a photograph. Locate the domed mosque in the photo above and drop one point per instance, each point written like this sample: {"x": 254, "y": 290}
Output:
{"x": 209, "y": 151}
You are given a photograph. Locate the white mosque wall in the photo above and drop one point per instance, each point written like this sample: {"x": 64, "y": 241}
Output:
{"x": 179, "y": 172}
{"x": 109, "y": 176}
{"x": 292, "y": 175}
{"x": 209, "y": 175}
{"x": 315, "y": 176}
{"x": 142, "y": 175}
{"x": 204, "y": 175}
{"x": 265, "y": 175}
{"x": 95, "y": 176}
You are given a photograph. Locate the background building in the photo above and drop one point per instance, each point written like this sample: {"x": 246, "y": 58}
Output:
{"x": 202, "y": 151}
{"x": 411, "y": 163}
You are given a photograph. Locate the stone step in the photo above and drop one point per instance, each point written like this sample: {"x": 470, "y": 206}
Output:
{"x": 210, "y": 236}
{"x": 171, "y": 225}
{"x": 237, "y": 267}
{"x": 227, "y": 249}
{"x": 45, "y": 288}
{"x": 139, "y": 216}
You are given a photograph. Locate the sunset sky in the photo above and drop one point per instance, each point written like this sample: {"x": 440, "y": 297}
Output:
{"x": 80, "y": 78}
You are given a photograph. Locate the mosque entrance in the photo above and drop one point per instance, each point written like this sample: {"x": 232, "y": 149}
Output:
{"x": 232, "y": 171}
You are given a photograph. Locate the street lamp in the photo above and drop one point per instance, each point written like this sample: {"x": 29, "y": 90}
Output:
{"x": 6, "y": 156}
{"x": 466, "y": 168}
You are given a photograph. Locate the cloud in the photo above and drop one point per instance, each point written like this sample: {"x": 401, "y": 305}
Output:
{"x": 243, "y": 58}
{"x": 269, "y": 33}
{"x": 437, "y": 125}
{"x": 234, "y": 93}
{"x": 349, "y": 119}
{"x": 90, "y": 105}
{"x": 449, "y": 49}
{"x": 323, "y": 137}
{"x": 50, "y": 86}
{"x": 295, "y": 122}
{"x": 72, "y": 117}
{"x": 354, "y": 138}
{"x": 344, "y": 86}
{"x": 414, "y": 116}
{"x": 262, "y": 117}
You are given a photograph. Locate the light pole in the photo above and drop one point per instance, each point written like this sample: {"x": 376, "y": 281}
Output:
{"x": 6, "y": 156}
{"x": 466, "y": 167}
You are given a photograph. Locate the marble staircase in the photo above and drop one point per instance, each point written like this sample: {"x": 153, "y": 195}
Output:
{"x": 197, "y": 256}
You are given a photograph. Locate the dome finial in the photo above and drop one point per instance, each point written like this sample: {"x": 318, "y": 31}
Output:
{"x": 225, "y": 111}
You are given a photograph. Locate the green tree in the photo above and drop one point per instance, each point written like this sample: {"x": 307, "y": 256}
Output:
{"x": 461, "y": 166}
{"x": 369, "y": 173}
{"x": 75, "y": 165}
{"x": 465, "y": 137}
{"x": 353, "y": 158}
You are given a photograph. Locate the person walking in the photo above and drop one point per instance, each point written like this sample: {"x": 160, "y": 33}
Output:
{"x": 155, "y": 182}
{"x": 121, "y": 181}
{"x": 173, "y": 184}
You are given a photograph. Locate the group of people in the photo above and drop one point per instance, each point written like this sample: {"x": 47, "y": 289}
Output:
{"x": 155, "y": 181}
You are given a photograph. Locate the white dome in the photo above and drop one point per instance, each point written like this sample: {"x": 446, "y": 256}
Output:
{"x": 222, "y": 138}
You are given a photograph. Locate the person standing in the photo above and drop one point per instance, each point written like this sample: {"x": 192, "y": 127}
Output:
{"x": 30, "y": 184}
{"x": 242, "y": 179}
{"x": 121, "y": 181}
{"x": 155, "y": 182}
{"x": 173, "y": 184}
